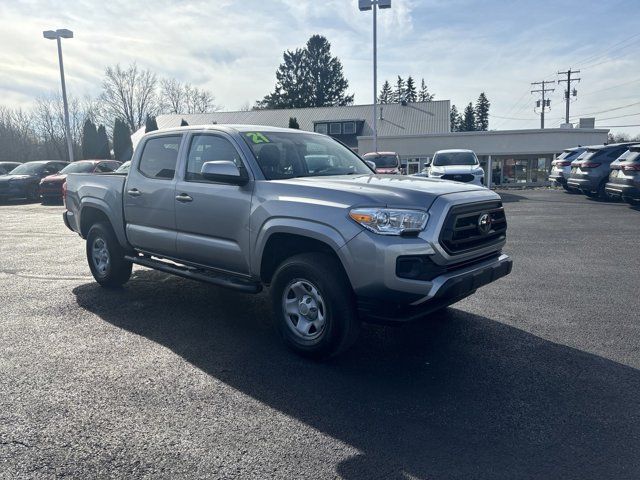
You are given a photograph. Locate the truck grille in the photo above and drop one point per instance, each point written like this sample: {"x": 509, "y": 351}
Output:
{"x": 464, "y": 230}
{"x": 458, "y": 177}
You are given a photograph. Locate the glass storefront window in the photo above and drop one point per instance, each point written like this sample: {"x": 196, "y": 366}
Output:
{"x": 540, "y": 170}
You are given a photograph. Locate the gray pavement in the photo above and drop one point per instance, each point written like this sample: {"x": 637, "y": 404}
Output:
{"x": 535, "y": 376}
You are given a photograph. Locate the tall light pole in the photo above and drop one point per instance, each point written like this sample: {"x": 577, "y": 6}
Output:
{"x": 58, "y": 35}
{"x": 365, "y": 5}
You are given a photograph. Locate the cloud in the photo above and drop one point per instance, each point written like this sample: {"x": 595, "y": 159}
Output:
{"x": 233, "y": 47}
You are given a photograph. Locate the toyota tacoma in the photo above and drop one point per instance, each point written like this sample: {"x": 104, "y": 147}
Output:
{"x": 244, "y": 207}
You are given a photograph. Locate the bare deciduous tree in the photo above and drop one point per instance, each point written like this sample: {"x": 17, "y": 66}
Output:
{"x": 179, "y": 97}
{"x": 18, "y": 141}
{"x": 48, "y": 123}
{"x": 129, "y": 94}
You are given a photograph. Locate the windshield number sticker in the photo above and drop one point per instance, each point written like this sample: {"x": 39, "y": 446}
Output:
{"x": 257, "y": 137}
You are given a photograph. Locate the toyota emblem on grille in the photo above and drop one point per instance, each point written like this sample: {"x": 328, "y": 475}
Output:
{"x": 484, "y": 223}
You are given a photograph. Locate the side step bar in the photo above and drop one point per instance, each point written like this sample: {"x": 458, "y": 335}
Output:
{"x": 201, "y": 275}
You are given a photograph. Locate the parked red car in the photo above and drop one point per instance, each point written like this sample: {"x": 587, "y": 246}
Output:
{"x": 386, "y": 162}
{"x": 51, "y": 186}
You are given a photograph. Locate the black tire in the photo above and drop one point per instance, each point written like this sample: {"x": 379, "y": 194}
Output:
{"x": 567, "y": 189}
{"x": 115, "y": 271}
{"x": 341, "y": 325}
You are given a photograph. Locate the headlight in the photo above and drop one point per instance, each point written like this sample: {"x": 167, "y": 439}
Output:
{"x": 389, "y": 221}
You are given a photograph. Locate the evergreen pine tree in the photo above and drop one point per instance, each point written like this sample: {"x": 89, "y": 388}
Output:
{"x": 423, "y": 94}
{"x": 469, "y": 119}
{"x": 455, "y": 119}
{"x": 482, "y": 112}
{"x": 150, "y": 124}
{"x": 122, "y": 146}
{"x": 103, "y": 150}
{"x": 398, "y": 93}
{"x": 89, "y": 140}
{"x": 309, "y": 77}
{"x": 386, "y": 94}
{"x": 293, "y": 123}
{"x": 410, "y": 91}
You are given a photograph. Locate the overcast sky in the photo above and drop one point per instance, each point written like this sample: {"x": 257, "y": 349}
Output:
{"x": 233, "y": 47}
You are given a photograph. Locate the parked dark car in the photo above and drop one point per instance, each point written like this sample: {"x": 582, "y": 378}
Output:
{"x": 561, "y": 166}
{"x": 624, "y": 179}
{"x": 51, "y": 186}
{"x": 6, "y": 167}
{"x": 591, "y": 174}
{"x": 24, "y": 180}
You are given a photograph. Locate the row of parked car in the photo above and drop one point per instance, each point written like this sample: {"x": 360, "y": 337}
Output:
{"x": 609, "y": 172}
{"x": 43, "y": 179}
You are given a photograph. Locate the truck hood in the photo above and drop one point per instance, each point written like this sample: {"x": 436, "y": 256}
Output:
{"x": 455, "y": 169}
{"x": 374, "y": 190}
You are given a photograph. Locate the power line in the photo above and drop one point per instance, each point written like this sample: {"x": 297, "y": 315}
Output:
{"x": 612, "y": 86}
{"x": 596, "y": 56}
{"x": 619, "y": 116}
{"x": 619, "y": 126}
{"x": 609, "y": 110}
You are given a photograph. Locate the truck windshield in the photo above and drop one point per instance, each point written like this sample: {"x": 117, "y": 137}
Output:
{"x": 80, "y": 167}
{"x": 454, "y": 158}
{"x": 289, "y": 155}
{"x": 383, "y": 161}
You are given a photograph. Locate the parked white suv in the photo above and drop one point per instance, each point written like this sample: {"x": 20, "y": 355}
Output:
{"x": 456, "y": 165}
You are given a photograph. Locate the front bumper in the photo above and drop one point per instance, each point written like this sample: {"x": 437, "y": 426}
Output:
{"x": 445, "y": 290}
{"x": 386, "y": 290}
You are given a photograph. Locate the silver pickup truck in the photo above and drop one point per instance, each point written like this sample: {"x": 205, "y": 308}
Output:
{"x": 247, "y": 206}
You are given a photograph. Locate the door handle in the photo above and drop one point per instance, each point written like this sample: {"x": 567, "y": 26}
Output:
{"x": 134, "y": 192}
{"x": 184, "y": 198}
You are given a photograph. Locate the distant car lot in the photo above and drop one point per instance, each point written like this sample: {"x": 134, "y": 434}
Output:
{"x": 534, "y": 376}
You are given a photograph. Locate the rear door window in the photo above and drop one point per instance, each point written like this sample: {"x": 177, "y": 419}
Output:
{"x": 159, "y": 157}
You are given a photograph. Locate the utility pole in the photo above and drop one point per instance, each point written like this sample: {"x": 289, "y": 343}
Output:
{"x": 545, "y": 102}
{"x": 365, "y": 5}
{"x": 567, "y": 92}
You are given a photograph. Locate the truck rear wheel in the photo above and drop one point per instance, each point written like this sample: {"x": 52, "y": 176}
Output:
{"x": 106, "y": 257}
{"x": 314, "y": 305}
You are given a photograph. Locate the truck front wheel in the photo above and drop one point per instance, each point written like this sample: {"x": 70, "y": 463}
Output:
{"x": 314, "y": 305}
{"x": 106, "y": 257}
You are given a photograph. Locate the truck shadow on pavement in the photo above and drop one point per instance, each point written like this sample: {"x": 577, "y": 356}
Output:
{"x": 460, "y": 396}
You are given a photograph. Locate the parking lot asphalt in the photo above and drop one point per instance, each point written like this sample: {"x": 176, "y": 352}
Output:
{"x": 534, "y": 376}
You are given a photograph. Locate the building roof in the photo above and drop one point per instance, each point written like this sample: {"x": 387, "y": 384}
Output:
{"x": 411, "y": 119}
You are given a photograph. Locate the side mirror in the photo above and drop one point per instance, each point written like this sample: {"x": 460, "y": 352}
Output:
{"x": 223, "y": 171}
{"x": 372, "y": 165}
{"x": 427, "y": 163}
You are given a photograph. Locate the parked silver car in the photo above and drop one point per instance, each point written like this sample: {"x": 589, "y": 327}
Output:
{"x": 561, "y": 166}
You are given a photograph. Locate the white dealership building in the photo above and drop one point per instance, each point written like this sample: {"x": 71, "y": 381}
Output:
{"x": 415, "y": 131}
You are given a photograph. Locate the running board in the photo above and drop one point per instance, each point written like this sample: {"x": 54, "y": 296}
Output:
{"x": 201, "y": 275}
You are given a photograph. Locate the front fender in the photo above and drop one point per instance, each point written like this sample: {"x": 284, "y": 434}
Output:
{"x": 297, "y": 226}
